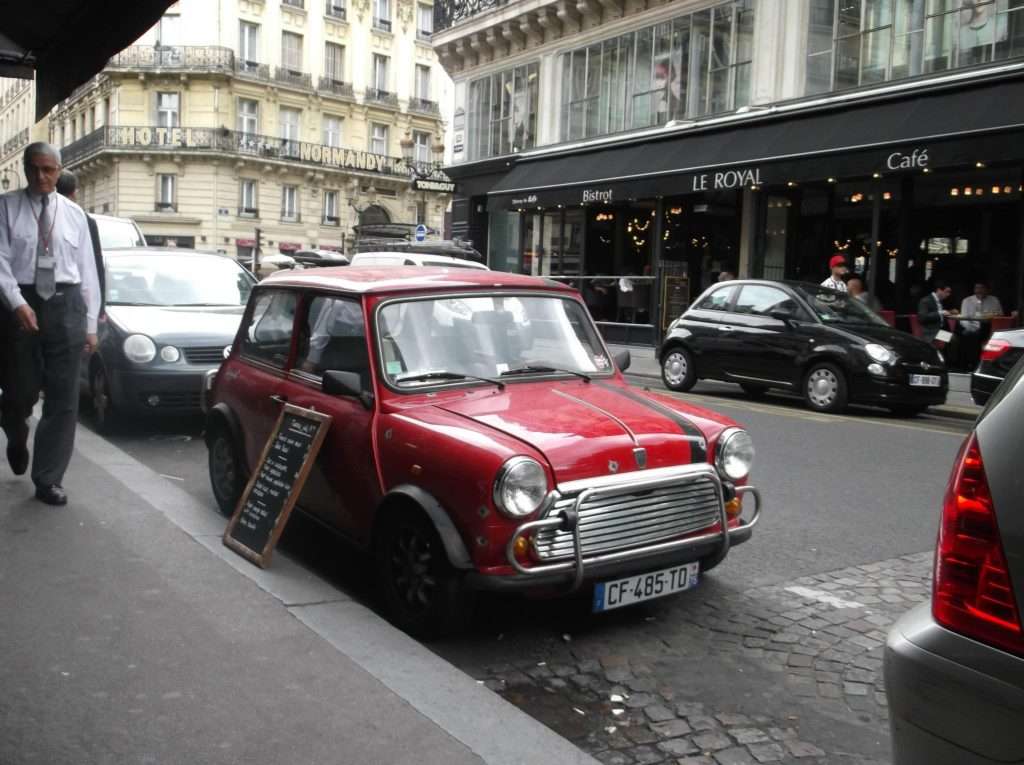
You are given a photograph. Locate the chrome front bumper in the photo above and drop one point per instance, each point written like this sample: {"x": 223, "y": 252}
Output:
{"x": 611, "y": 486}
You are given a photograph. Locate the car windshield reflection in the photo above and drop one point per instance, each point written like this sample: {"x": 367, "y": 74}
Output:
{"x": 171, "y": 280}
{"x": 840, "y": 308}
{"x": 488, "y": 338}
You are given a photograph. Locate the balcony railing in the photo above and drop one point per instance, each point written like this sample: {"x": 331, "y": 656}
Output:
{"x": 252, "y": 69}
{"x": 384, "y": 25}
{"x": 292, "y": 77}
{"x": 424, "y": 106}
{"x": 209, "y": 140}
{"x": 207, "y": 58}
{"x": 248, "y": 212}
{"x": 16, "y": 142}
{"x": 448, "y": 13}
{"x": 336, "y": 87}
{"x": 424, "y": 35}
{"x": 335, "y": 10}
{"x": 381, "y": 97}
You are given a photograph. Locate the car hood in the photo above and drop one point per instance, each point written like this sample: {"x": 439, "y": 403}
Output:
{"x": 590, "y": 429}
{"x": 908, "y": 347}
{"x": 177, "y": 325}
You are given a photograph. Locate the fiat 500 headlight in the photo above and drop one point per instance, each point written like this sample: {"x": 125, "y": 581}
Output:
{"x": 520, "y": 487}
{"x": 139, "y": 348}
{"x": 880, "y": 353}
{"x": 735, "y": 454}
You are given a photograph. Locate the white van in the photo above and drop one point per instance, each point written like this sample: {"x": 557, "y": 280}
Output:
{"x": 116, "y": 233}
{"x": 413, "y": 259}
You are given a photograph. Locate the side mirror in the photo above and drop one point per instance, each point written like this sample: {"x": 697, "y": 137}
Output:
{"x": 622, "y": 360}
{"x": 338, "y": 383}
{"x": 784, "y": 316}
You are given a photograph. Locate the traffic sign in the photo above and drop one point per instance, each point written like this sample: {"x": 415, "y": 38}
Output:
{"x": 421, "y": 233}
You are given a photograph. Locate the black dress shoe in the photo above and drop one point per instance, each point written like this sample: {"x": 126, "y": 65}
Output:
{"x": 17, "y": 456}
{"x": 51, "y": 495}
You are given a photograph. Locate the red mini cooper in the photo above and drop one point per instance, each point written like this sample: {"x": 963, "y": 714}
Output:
{"x": 483, "y": 438}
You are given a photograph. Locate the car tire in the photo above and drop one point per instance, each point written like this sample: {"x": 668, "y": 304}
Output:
{"x": 825, "y": 388}
{"x": 907, "y": 410}
{"x": 104, "y": 413}
{"x": 754, "y": 391}
{"x": 678, "y": 371}
{"x": 421, "y": 593}
{"x": 225, "y": 467}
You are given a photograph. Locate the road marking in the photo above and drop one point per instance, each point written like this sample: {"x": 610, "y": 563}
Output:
{"x": 823, "y": 597}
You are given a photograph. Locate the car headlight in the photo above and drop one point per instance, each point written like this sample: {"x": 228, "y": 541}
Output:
{"x": 139, "y": 348}
{"x": 735, "y": 454}
{"x": 520, "y": 487}
{"x": 170, "y": 354}
{"x": 880, "y": 353}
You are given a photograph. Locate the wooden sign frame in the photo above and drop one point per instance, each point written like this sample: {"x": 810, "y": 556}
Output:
{"x": 262, "y": 557}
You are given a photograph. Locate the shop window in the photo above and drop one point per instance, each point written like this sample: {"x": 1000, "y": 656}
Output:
{"x": 502, "y": 114}
{"x": 691, "y": 66}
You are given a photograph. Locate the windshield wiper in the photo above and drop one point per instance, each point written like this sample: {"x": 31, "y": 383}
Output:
{"x": 543, "y": 369}
{"x": 443, "y": 375}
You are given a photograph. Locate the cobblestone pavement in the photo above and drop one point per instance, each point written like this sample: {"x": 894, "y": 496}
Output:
{"x": 786, "y": 673}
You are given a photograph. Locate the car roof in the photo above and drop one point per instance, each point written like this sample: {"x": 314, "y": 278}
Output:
{"x": 369, "y": 280}
{"x": 150, "y": 249}
{"x": 101, "y": 216}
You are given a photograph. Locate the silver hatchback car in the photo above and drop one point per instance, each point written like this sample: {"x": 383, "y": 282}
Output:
{"x": 954, "y": 667}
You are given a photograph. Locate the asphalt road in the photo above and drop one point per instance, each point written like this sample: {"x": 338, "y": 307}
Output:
{"x": 841, "y": 492}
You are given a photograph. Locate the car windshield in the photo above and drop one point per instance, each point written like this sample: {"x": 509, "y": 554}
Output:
{"x": 493, "y": 337}
{"x": 839, "y": 307}
{"x": 177, "y": 280}
{"x": 115, "y": 234}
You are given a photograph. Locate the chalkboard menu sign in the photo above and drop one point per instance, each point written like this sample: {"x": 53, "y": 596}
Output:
{"x": 675, "y": 298}
{"x": 276, "y": 483}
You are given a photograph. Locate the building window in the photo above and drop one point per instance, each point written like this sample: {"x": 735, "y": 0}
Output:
{"x": 421, "y": 213}
{"x": 248, "y": 45}
{"x": 248, "y": 116}
{"x": 334, "y": 62}
{"x": 330, "y": 208}
{"x": 335, "y": 9}
{"x": 332, "y": 131}
{"x": 378, "y": 139}
{"x": 690, "y": 66}
{"x": 290, "y": 203}
{"x": 421, "y": 146}
{"x": 167, "y": 110}
{"x": 859, "y": 42}
{"x": 380, "y": 72}
{"x": 502, "y": 114}
{"x": 165, "y": 193}
{"x": 382, "y": 15}
{"x": 291, "y": 52}
{"x": 424, "y": 21}
{"x": 290, "y": 130}
{"x": 423, "y": 82}
{"x": 248, "y": 205}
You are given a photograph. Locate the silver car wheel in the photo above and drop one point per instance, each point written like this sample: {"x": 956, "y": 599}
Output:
{"x": 822, "y": 387}
{"x": 675, "y": 368}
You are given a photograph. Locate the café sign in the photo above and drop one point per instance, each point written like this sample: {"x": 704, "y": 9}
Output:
{"x": 918, "y": 158}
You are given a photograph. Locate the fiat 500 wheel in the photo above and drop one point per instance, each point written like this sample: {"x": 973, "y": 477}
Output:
{"x": 677, "y": 369}
{"x": 420, "y": 591}
{"x": 825, "y": 388}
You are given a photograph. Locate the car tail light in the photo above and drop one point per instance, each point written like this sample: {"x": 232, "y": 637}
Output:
{"x": 973, "y": 594}
{"x": 994, "y": 348}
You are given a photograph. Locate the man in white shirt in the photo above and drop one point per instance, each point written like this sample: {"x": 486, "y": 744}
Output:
{"x": 980, "y": 305}
{"x": 49, "y": 308}
{"x": 837, "y": 265}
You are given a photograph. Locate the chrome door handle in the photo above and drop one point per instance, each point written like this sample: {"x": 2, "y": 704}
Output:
{"x": 724, "y": 328}
{"x": 279, "y": 399}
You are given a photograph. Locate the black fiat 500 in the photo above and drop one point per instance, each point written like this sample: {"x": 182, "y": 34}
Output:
{"x": 822, "y": 344}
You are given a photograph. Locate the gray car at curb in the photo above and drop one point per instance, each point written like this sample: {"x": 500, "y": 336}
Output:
{"x": 954, "y": 667}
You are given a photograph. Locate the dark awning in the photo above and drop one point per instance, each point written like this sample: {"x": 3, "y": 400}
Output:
{"x": 68, "y": 41}
{"x": 941, "y": 128}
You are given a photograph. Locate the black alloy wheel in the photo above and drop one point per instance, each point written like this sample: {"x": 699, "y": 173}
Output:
{"x": 677, "y": 369}
{"x": 825, "y": 388}
{"x": 104, "y": 416}
{"x": 421, "y": 593}
{"x": 754, "y": 391}
{"x": 225, "y": 467}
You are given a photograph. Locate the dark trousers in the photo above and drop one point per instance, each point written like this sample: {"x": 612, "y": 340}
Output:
{"x": 47, "y": 361}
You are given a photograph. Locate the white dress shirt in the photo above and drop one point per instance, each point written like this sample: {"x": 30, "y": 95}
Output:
{"x": 972, "y": 307}
{"x": 70, "y": 244}
{"x": 834, "y": 284}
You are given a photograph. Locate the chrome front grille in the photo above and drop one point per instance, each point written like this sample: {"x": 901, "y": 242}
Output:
{"x": 205, "y": 354}
{"x": 611, "y": 521}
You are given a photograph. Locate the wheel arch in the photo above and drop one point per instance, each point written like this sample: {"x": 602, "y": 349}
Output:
{"x": 409, "y": 497}
{"x": 670, "y": 344}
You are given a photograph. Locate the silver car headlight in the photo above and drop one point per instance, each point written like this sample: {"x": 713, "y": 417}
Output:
{"x": 880, "y": 353}
{"x": 139, "y": 348}
{"x": 520, "y": 487}
{"x": 735, "y": 454}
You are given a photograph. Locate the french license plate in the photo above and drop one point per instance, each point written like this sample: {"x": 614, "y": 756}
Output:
{"x": 926, "y": 381}
{"x": 636, "y": 589}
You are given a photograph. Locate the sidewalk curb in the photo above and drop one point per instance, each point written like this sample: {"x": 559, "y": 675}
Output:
{"x": 492, "y": 728}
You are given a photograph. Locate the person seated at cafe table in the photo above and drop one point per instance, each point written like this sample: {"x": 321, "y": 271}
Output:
{"x": 980, "y": 305}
